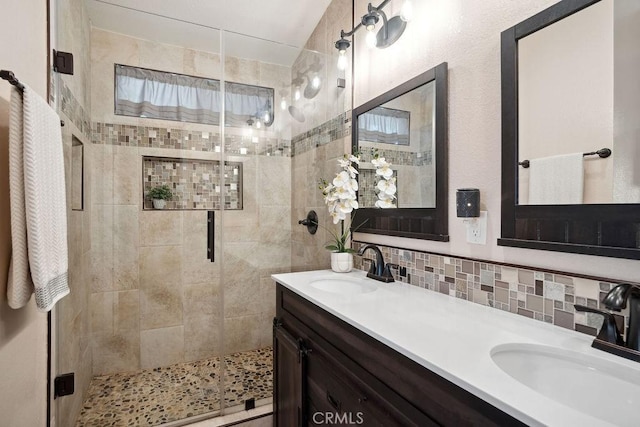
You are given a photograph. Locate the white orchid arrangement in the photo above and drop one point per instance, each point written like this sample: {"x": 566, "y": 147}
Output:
{"x": 341, "y": 199}
{"x": 386, "y": 187}
{"x": 340, "y": 194}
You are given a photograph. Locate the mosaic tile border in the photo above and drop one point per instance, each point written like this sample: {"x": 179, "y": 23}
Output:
{"x": 70, "y": 107}
{"x": 399, "y": 158}
{"x": 540, "y": 295}
{"x": 186, "y": 139}
{"x": 337, "y": 128}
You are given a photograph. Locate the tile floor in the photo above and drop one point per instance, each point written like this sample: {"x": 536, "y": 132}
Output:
{"x": 162, "y": 395}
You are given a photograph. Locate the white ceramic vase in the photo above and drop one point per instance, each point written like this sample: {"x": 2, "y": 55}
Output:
{"x": 159, "y": 203}
{"x": 341, "y": 262}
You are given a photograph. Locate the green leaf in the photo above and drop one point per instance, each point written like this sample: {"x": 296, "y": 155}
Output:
{"x": 332, "y": 248}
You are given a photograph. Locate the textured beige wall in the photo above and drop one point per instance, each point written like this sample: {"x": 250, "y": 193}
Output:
{"x": 23, "y": 333}
{"x": 626, "y": 183}
{"x": 467, "y": 36}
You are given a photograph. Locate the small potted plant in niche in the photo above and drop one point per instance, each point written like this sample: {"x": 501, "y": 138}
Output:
{"x": 340, "y": 198}
{"x": 159, "y": 195}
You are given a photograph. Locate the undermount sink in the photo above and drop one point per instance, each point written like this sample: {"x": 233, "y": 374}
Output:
{"x": 343, "y": 286}
{"x": 602, "y": 389}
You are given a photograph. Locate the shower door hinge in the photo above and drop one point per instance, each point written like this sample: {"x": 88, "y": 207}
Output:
{"x": 63, "y": 62}
{"x": 249, "y": 404}
{"x": 64, "y": 385}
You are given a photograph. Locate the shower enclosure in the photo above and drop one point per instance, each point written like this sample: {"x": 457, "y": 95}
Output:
{"x": 170, "y": 312}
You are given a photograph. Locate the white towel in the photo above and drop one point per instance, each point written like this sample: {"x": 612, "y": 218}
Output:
{"x": 38, "y": 199}
{"x": 557, "y": 180}
{"x": 19, "y": 284}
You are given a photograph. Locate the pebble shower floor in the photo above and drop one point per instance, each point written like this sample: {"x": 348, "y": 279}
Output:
{"x": 157, "y": 396}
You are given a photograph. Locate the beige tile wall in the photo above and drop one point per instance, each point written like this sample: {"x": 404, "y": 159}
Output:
{"x": 308, "y": 167}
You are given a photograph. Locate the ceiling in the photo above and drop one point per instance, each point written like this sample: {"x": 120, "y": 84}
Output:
{"x": 277, "y": 29}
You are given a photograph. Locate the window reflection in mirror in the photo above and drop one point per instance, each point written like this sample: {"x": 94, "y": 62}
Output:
{"x": 402, "y": 132}
{"x": 574, "y": 82}
{"x": 419, "y": 161}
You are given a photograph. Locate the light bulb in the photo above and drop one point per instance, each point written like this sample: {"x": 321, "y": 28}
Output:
{"x": 371, "y": 27}
{"x": 342, "y": 62}
{"x": 296, "y": 95}
{"x": 406, "y": 13}
{"x": 283, "y": 104}
{"x": 371, "y": 39}
{"x": 258, "y": 124}
{"x": 315, "y": 82}
{"x": 267, "y": 117}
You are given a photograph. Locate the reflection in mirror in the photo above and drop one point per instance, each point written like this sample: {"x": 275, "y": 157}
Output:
{"x": 570, "y": 107}
{"x": 571, "y": 102}
{"x": 406, "y": 126}
{"x": 401, "y": 131}
{"x": 77, "y": 175}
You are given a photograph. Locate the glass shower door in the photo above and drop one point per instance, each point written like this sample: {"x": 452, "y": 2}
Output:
{"x": 257, "y": 236}
{"x": 142, "y": 327}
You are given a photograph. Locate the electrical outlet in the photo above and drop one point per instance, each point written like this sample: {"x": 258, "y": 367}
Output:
{"x": 477, "y": 229}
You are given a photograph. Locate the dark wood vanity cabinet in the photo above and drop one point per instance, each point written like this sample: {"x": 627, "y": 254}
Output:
{"x": 327, "y": 372}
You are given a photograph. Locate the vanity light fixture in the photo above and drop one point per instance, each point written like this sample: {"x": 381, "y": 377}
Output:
{"x": 342, "y": 45}
{"x": 388, "y": 34}
{"x": 406, "y": 13}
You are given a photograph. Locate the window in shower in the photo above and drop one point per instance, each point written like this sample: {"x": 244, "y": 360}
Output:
{"x": 193, "y": 183}
{"x": 141, "y": 92}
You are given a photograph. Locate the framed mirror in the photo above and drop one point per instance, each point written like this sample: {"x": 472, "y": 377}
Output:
{"x": 407, "y": 126}
{"x": 570, "y": 103}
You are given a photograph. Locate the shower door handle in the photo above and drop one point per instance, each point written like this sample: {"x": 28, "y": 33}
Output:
{"x": 211, "y": 235}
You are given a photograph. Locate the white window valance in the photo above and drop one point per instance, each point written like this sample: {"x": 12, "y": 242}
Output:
{"x": 384, "y": 125}
{"x": 154, "y": 94}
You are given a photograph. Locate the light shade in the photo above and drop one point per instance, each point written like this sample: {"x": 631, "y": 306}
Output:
{"x": 468, "y": 203}
{"x": 369, "y": 21}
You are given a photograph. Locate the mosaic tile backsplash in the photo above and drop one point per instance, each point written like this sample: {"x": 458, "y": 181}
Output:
{"x": 195, "y": 184}
{"x": 543, "y": 296}
{"x": 336, "y": 128}
{"x": 186, "y": 139}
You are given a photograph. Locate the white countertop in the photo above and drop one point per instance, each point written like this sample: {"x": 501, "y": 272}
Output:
{"x": 454, "y": 338}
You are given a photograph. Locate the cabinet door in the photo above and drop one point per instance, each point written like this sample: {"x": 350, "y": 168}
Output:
{"x": 341, "y": 392}
{"x": 289, "y": 367}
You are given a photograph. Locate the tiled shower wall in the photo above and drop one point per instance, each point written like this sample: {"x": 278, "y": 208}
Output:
{"x": 545, "y": 296}
{"x": 155, "y": 297}
{"x": 317, "y": 154}
{"x": 323, "y": 137}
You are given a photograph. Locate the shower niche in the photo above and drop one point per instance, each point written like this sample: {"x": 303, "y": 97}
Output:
{"x": 195, "y": 184}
